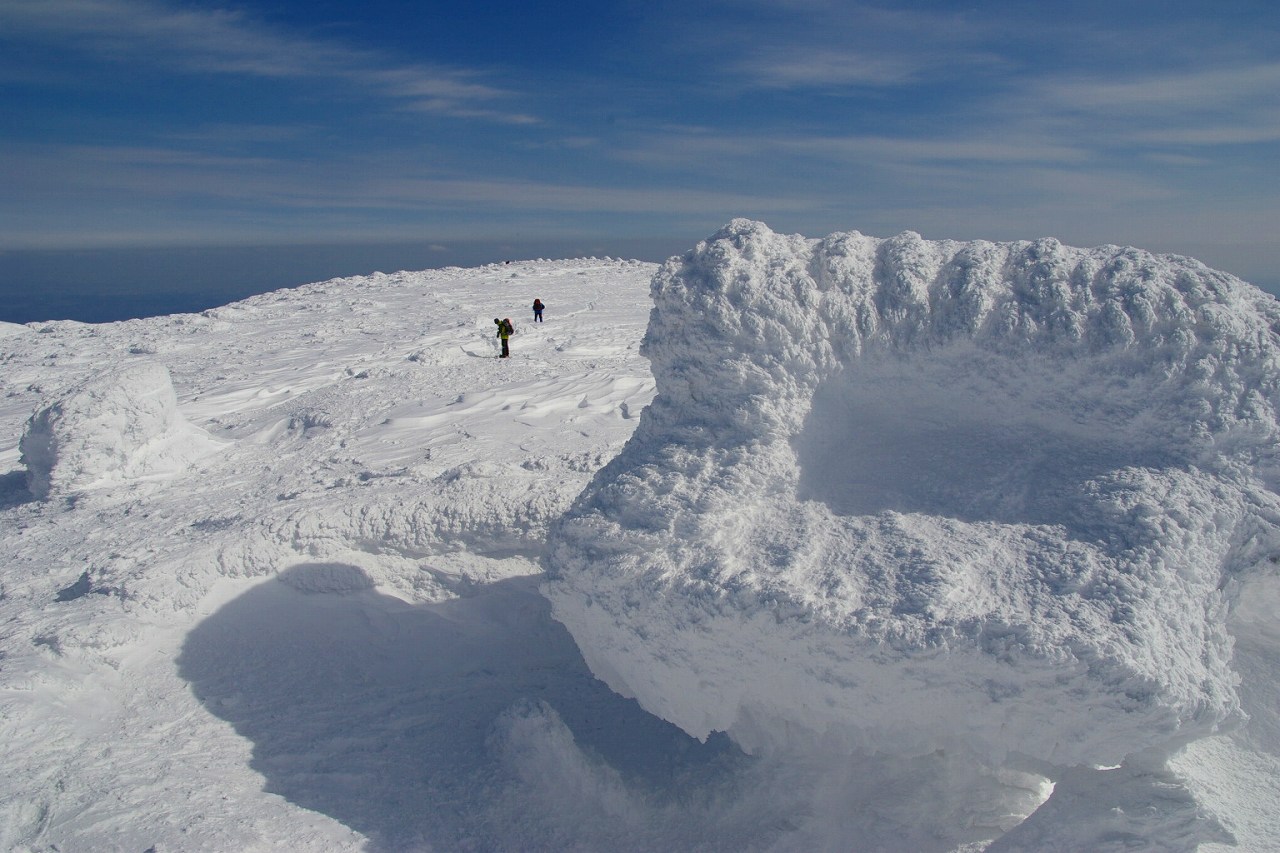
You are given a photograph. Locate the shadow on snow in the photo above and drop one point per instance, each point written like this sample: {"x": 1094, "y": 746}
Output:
{"x": 13, "y": 489}
{"x": 410, "y": 724}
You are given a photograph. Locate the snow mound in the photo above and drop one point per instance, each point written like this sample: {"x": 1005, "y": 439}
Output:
{"x": 897, "y": 496}
{"x": 119, "y": 424}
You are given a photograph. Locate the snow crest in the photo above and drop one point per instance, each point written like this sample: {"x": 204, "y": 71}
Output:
{"x": 119, "y": 424}
{"x": 897, "y": 496}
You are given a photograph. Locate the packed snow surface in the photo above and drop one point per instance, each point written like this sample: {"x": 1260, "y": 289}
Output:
{"x": 880, "y": 545}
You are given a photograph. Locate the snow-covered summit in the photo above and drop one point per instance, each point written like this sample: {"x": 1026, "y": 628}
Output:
{"x": 897, "y": 496}
{"x": 327, "y": 635}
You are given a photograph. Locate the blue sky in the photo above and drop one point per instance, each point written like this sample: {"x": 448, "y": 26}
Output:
{"x": 593, "y": 127}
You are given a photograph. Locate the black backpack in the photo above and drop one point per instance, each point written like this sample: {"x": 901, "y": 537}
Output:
{"x": 507, "y": 327}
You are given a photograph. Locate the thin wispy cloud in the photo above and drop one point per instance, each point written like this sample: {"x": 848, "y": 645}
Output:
{"x": 466, "y": 121}
{"x": 1172, "y": 109}
{"x": 1209, "y": 88}
{"x": 786, "y": 68}
{"x": 1250, "y": 131}
{"x": 798, "y": 44}
{"x": 360, "y": 186}
{"x": 229, "y": 42}
{"x": 994, "y": 148}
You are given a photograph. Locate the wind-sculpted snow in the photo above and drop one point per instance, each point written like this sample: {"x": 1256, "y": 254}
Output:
{"x": 327, "y": 635}
{"x": 898, "y": 496}
{"x": 119, "y": 424}
{"x": 358, "y": 552}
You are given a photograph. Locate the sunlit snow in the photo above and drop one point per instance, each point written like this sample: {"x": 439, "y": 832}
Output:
{"x": 850, "y": 544}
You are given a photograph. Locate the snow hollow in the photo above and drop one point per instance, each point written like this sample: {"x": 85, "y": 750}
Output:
{"x": 787, "y": 544}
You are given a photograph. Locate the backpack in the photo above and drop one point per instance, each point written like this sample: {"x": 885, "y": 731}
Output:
{"x": 507, "y": 327}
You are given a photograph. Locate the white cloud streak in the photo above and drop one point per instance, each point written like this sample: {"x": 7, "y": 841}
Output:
{"x": 1206, "y": 107}
{"x": 296, "y": 195}
{"x": 786, "y": 68}
{"x": 836, "y": 44}
{"x": 1205, "y": 89}
{"x": 222, "y": 42}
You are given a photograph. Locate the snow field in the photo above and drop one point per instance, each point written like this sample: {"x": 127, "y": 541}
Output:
{"x": 249, "y": 649}
{"x": 939, "y": 533}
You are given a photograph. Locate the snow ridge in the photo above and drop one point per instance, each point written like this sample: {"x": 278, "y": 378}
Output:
{"x": 896, "y": 496}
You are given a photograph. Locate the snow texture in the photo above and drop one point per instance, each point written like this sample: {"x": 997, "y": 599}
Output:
{"x": 965, "y": 546}
{"x": 118, "y": 424}
{"x": 911, "y": 498}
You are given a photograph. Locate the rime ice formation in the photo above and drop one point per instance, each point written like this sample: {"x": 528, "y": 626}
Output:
{"x": 328, "y": 636}
{"x": 897, "y": 496}
{"x": 119, "y": 424}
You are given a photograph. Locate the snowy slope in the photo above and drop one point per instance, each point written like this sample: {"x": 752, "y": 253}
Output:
{"x": 271, "y": 573}
{"x": 159, "y": 688}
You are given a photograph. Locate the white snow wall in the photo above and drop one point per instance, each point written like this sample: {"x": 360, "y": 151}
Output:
{"x": 900, "y": 495}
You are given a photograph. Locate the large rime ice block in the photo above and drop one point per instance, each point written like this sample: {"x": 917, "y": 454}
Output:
{"x": 899, "y": 495}
{"x": 120, "y": 424}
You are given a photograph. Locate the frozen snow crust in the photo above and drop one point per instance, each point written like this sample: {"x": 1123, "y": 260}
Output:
{"x": 895, "y": 496}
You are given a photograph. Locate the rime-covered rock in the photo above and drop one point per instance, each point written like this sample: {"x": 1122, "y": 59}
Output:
{"x": 896, "y": 496}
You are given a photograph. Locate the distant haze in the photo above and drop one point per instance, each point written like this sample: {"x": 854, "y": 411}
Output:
{"x": 325, "y": 129}
{"x": 104, "y": 285}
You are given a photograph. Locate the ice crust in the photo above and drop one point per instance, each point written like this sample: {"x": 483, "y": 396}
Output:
{"x": 896, "y": 496}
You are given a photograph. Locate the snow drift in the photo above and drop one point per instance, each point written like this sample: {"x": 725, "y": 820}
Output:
{"x": 118, "y": 424}
{"x": 898, "y": 496}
